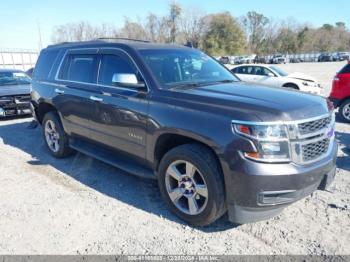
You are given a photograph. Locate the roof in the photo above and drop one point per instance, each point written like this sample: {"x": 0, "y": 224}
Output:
{"x": 135, "y": 44}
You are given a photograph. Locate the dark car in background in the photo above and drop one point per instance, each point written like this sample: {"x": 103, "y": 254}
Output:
{"x": 172, "y": 113}
{"x": 325, "y": 57}
{"x": 341, "y": 56}
{"x": 224, "y": 60}
{"x": 340, "y": 94}
{"x": 30, "y": 71}
{"x": 14, "y": 93}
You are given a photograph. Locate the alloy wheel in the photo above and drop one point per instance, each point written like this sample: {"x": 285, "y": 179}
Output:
{"x": 186, "y": 187}
{"x": 52, "y": 136}
{"x": 346, "y": 111}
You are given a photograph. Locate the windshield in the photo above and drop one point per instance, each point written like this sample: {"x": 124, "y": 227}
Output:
{"x": 279, "y": 71}
{"x": 14, "y": 78}
{"x": 181, "y": 67}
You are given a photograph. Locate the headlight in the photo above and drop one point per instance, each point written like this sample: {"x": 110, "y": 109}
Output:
{"x": 271, "y": 142}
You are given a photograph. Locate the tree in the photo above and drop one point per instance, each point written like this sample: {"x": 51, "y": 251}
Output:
{"x": 255, "y": 24}
{"x": 192, "y": 26}
{"x": 81, "y": 31}
{"x": 224, "y": 35}
{"x": 327, "y": 27}
{"x": 340, "y": 24}
{"x": 132, "y": 30}
{"x": 175, "y": 12}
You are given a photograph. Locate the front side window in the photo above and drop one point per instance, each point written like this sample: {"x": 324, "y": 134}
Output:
{"x": 80, "y": 68}
{"x": 113, "y": 64}
{"x": 174, "y": 67}
{"x": 8, "y": 78}
{"x": 262, "y": 71}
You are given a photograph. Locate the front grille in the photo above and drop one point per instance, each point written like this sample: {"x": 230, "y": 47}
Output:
{"x": 314, "y": 126}
{"x": 22, "y": 99}
{"x": 15, "y": 105}
{"x": 315, "y": 150}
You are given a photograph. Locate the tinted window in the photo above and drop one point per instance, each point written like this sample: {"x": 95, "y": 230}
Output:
{"x": 79, "y": 68}
{"x": 112, "y": 64}
{"x": 345, "y": 70}
{"x": 173, "y": 67}
{"x": 245, "y": 70}
{"x": 44, "y": 64}
{"x": 262, "y": 71}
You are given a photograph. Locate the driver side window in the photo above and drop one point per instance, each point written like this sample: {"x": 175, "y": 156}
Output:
{"x": 113, "y": 64}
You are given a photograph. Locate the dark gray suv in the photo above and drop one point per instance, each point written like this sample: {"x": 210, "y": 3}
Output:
{"x": 174, "y": 114}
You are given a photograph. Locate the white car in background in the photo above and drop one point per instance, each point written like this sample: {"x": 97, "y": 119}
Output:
{"x": 274, "y": 76}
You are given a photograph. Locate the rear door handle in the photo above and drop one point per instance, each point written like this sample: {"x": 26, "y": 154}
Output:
{"x": 96, "y": 99}
{"x": 59, "y": 91}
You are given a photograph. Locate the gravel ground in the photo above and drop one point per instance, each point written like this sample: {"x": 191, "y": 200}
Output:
{"x": 82, "y": 206}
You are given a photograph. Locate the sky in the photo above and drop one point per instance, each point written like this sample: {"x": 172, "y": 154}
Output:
{"x": 21, "y": 20}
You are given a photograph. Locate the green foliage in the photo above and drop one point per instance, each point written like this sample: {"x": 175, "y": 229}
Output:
{"x": 218, "y": 34}
{"x": 224, "y": 37}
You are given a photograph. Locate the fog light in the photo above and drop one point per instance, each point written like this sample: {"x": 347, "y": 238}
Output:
{"x": 271, "y": 147}
{"x": 2, "y": 112}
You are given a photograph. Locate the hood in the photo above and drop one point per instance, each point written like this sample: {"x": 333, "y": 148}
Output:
{"x": 10, "y": 90}
{"x": 247, "y": 102}
{"x": 301, "y": 76}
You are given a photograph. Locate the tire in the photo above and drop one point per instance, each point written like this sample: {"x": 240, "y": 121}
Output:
{"x": 61, "y": 148}
{"x": 292, "y": 86}
{"x": 344, "y": 111}
{"x": 208, "y": 175}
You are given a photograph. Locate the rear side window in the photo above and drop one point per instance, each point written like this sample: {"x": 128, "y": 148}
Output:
{"x": 79, "y": 68}
{"x": 44, "y": 65}
{"x": 113, "y": 64}
{"x": 245, "y": 70}
{"x": 345, "y": 70}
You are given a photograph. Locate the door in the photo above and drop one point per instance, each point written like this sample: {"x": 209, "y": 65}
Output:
{"x": 120, "y": 117}
{"x": 244, "y": 73}
{"x": 75, "y": 84}
{"x": 265, "y": 76}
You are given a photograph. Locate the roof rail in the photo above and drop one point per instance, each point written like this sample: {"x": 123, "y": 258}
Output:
{"x": 123, "y": 38}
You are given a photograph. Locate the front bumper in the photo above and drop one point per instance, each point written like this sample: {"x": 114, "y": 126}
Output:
{"x": 15, "y": 106}
{"x": 258, "y": 191}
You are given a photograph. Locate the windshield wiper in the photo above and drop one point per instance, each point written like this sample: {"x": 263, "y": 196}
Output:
{"x": 186, "y": 85}
{"x": 198, "y": 84}
{"x": 225, "y": 81}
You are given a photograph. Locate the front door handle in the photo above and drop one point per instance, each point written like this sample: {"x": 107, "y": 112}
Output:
{"x": 96, "y": 99}
{"x": 59, "y": 91}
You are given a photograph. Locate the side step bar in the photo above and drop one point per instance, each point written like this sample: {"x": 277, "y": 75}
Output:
{"x": 112, "y": 158}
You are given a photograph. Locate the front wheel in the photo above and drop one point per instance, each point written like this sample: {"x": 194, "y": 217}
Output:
{"x": 344, "y": 111}
{"x": 291, "y": 86}
{"x": 192, "y": 185}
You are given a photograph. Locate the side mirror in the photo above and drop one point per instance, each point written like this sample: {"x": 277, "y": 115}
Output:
{"x": 270, "y": 75}
{"x": 127, "y": 80}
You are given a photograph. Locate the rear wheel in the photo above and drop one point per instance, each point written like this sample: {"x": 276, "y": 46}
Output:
{"x": 344, "y": 111}
{"x": 191, "y": 183}
{"x": 55, "y": 137}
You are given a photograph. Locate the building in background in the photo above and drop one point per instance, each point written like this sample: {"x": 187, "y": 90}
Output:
{"x": 21, "y": 59}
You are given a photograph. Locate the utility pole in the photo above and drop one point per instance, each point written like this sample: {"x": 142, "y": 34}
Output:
{"x": 39, "y": 33}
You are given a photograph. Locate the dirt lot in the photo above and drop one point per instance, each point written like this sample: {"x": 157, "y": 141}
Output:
{"x": 80, "y": 205}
